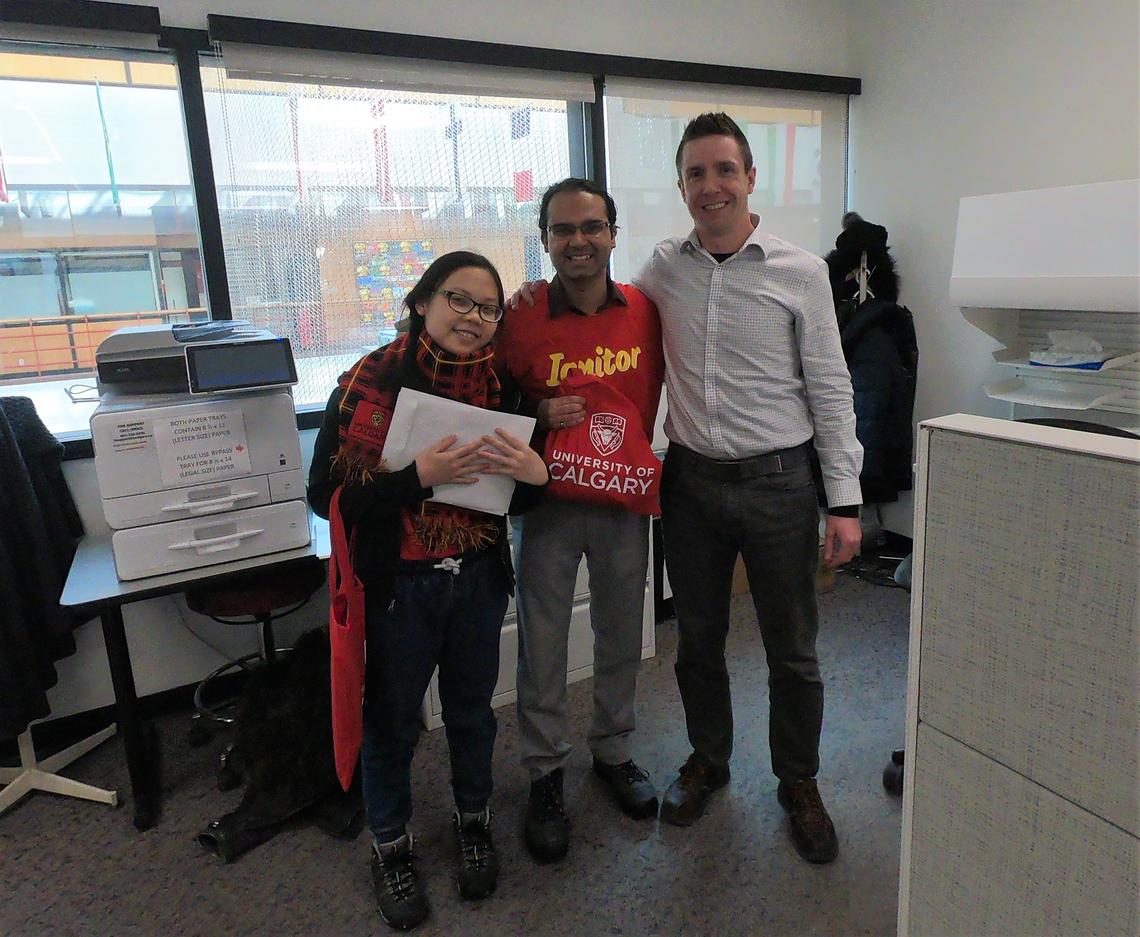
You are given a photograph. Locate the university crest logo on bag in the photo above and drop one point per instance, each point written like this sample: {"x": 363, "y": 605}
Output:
{"x": 607, "y": 430}
{"x": 607, "y": 458}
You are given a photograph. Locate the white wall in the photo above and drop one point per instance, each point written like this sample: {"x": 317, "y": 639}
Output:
{"x": 807, "y": 36}
{"x": 975, "y": 97}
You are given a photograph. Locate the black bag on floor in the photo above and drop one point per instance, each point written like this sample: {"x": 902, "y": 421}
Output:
{"x": 283, "y": 749}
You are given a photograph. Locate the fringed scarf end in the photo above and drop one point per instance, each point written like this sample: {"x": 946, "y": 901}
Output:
{"x": 442, "y": 533}
{"x": 352, "y": 470}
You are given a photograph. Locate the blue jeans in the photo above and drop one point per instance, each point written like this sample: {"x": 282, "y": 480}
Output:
{"x": 435, "y": 618}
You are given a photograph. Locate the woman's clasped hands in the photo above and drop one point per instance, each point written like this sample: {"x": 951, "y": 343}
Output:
{"x": 445, "y": 463}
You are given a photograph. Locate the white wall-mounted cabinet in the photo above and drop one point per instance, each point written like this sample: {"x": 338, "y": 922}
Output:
{"x": 1071, "y": 247}
{"x": 1030, "y": 263}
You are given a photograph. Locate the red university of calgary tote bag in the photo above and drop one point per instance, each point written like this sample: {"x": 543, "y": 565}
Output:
{"x": 346, "y": 639}
{"x": 605, "y": 459}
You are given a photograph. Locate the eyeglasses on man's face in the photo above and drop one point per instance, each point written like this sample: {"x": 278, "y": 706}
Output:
{"x": 464, "y": 304}
{"x": 590, "y": 229}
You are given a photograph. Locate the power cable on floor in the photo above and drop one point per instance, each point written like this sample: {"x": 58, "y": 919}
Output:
{"x": 876, "y": 570}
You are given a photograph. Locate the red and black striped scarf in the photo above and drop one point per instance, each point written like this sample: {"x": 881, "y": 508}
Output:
{"x": 368, "y": 400}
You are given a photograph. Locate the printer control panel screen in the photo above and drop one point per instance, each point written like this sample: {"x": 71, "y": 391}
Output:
{"x": 221, "y": 366}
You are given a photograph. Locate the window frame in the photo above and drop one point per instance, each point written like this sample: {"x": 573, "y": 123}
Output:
{"x": 586, "y": 123}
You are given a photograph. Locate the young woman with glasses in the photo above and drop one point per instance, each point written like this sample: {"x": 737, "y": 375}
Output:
{"x": 436, "y": 577}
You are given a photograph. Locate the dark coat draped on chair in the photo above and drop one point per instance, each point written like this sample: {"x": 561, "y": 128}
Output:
{"x": 38, "y": 536}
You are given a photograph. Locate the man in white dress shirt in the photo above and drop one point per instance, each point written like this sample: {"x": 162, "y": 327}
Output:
{"x": 755, "y": 376}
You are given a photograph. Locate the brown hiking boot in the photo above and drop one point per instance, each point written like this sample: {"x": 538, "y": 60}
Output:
{"x": 685, "y": 800}
{"x": 812, "y": 830}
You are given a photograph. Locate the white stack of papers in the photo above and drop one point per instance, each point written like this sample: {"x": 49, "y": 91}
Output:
{"x": 421, "y": 420}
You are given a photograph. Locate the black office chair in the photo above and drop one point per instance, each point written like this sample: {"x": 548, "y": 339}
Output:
{"x": 257, "y": 597}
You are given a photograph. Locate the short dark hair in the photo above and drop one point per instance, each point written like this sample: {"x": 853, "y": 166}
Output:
{"x": 717, "y": 124}
{"x": 574, "y": 184}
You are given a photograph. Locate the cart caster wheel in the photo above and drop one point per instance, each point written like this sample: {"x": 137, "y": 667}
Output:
{"x": 198, "y": 734}
{"x": 893, "y": 774}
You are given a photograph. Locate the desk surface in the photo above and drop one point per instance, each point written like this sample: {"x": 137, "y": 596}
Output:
{"x": 93, "y": 580}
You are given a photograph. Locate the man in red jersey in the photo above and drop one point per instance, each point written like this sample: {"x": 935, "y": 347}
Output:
{"x": 582, "y": 322}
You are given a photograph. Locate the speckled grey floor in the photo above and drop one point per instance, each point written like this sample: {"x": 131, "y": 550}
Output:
{"x": 71, "y": 868}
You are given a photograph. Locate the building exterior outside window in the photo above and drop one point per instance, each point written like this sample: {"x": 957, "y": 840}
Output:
{"x": 98, "y": 227}
{"x": 333, "y": 194}
{"x": 335, "y": 198}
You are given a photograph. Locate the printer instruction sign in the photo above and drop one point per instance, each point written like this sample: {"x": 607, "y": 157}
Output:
{"x": 202, "y": 447}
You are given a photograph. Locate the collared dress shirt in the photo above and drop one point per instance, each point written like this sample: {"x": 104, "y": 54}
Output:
{"x": 753, "y": 358}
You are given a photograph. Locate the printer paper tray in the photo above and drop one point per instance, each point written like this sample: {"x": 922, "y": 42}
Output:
{"x": 176, "y": 504}
{"x": 219, "y": 538}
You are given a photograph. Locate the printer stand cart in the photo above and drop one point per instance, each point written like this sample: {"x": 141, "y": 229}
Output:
{"x": 93, "y": 585}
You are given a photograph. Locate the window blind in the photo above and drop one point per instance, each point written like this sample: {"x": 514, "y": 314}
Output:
{"x": 310, "y": 66}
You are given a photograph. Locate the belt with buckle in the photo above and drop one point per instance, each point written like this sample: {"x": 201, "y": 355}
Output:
{"x": 768, "y": 463}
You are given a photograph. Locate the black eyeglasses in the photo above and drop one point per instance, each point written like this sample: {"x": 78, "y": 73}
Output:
{"x": 590, "y": 229}
{"x": 464, "y": 304}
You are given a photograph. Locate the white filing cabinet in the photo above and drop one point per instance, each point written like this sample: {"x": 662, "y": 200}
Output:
{"x": 1021, "y": 809}
{"x": 580, "y": 653}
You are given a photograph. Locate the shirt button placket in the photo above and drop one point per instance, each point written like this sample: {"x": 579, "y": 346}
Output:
{"x": 716, "y": 437}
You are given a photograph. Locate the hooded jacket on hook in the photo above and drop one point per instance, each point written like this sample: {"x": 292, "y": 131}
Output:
{"x": 881, "y": 349}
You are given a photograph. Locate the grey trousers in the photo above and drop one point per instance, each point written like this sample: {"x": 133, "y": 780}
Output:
{"x": 554, "y": 538}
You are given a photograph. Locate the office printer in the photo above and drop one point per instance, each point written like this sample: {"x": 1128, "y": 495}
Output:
{"x": 206, "y": 475}
{"x": 193, "y": 357}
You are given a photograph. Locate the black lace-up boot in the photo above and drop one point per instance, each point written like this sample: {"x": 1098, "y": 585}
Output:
{"x": 547, "y": 830}
{"x": 478, "y": 861}
{"x": 402, "y": 901}
{"x": 631, "y": 786}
